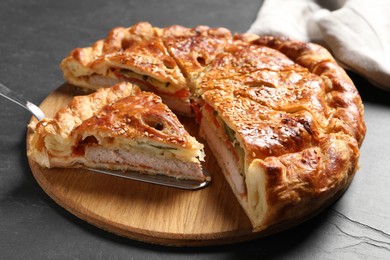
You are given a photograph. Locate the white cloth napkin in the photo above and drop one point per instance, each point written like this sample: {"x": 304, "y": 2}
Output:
{"x": 357, "y": 32}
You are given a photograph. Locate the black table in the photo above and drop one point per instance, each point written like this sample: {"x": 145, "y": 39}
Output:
{"x": 35, "y": 36}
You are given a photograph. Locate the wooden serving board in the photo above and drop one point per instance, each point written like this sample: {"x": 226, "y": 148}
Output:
{"x": 147, "y": 212}
{"x": 142, "y": 211}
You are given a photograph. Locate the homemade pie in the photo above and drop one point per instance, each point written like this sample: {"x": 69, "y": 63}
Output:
{"x": 282, "y": 118}
{"x": 118, "y": 128}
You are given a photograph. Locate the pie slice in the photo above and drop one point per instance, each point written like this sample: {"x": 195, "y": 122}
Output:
{"x": 136, "y": 54}
{"x": 118, "y": 128}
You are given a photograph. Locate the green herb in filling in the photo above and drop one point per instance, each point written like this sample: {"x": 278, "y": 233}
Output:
{"x": 155, "y": 82}
{"x": 163, "y": 147}
{"x": 231, "y": 135}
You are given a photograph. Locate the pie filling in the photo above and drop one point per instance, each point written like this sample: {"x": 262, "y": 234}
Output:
{"x": 143, "y": 161}
{"x": 156, "y": 149}
{"x": 224, "y": 144}
{"x": 247, "y": 181}
{"x": 148, "y": 158}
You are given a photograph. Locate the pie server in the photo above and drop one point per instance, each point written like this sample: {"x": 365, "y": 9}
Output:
{"x": 133, "y": 175}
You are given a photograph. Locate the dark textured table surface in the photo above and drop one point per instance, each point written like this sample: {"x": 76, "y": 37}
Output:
{"x": 35, "y": 36}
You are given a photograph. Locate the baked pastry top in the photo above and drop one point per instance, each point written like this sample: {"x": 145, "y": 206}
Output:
{"x": 300, "y": 126}
{"x": 194, "y": 48}
{"x": 282, "y": 117}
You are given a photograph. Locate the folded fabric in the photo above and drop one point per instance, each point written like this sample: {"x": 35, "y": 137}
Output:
{"x": 357, "y": 32}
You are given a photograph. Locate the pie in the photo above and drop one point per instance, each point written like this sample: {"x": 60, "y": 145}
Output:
{"x": 283, "y": 119}
{"x": 118, "y": 128}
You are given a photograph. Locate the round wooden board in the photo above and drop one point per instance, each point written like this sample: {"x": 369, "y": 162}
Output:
{"x": 142, "y": 211}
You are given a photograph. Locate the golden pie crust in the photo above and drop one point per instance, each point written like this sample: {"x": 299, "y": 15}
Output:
{"x": 293, "y": 119}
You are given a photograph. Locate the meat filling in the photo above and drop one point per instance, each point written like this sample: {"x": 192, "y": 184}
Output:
{"x": 142, "y": 161}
